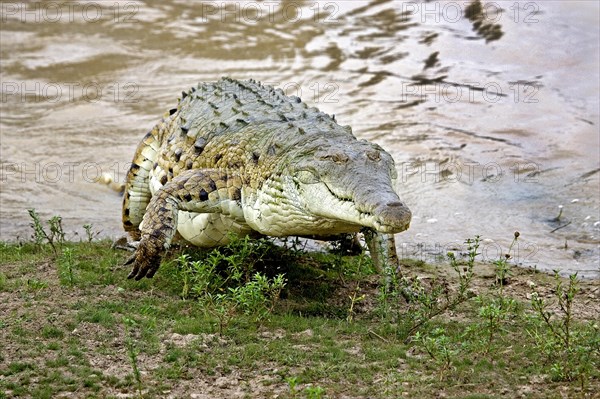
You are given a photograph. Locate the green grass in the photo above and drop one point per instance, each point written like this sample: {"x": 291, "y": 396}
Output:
{"x": 72, "y": 323}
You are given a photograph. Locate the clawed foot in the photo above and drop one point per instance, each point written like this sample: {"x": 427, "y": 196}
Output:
{"x": 145, "y": 261}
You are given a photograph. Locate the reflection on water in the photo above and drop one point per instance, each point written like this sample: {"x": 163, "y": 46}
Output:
{"x": 489, "y": 108}
{"x": 481, "y": 17}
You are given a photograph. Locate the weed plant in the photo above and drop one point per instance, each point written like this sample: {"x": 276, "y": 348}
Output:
{"x": 226, "y": 283}
{"x": 132, "y": 353}
{"x": 412, "y": 304}
{"x": 40, "y": 235}
{"x": 572, "y": 352}
{"x": 66, "y": 264}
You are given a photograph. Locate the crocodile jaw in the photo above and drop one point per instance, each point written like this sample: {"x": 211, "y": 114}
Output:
{"x": 384, "y": 213}
{"x": 277, "y": 209}
{"x": 283, "y": 207}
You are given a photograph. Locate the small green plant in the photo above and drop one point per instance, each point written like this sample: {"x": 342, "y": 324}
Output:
{"x": 132, "y": 352}
{"x": 206, "y": 277}
{"x": 493, "y": 311}
{"x": 89, "y": 234}
{"x": 39, "y": 234}
{"x": 56, "y": 229}
{"x": 496, "y": 309}
{"x": 244, "y": 254}
{"x": 56, "y": 235}
{"x": 464, "y": 269}
{"x": 3, "y": 283}
{"x": 226, "y": 283}
{"x": 502, "y": 268}
{"x": 438, "y": 346}
{"x": 292, "y": 385}
{"x": 221, "y": 307}
{"x": 314, "y": 392}
{"x": 258, "y": 296}
{"x": 354, "y": 299}
{"x": 426, "y": 301}
{"x": 200, "y": 277}
{"x": 184, "y": 271}
{"x": 573, "y": 351}
{"x": 36, "y": 285}
{"x": 66, "y": 265}
{"x": 559, "y": 329}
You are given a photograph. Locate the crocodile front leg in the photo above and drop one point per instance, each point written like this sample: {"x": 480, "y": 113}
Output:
{"x": 383, "y": 253}
{"x": 201, "y": 191}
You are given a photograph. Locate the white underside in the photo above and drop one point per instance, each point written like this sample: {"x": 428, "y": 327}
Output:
{"x": 208, "y": 229}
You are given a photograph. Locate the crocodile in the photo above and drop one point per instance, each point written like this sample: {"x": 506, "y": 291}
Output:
{"x": 241, "y": 157}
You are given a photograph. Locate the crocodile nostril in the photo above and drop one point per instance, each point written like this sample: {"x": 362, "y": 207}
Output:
{"x": 394, "y": 204}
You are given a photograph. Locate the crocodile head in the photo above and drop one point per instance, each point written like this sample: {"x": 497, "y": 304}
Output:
{"x": 352, "y": 185}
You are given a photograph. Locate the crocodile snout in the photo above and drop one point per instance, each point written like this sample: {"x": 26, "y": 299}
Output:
{"x": 392, "y": 217}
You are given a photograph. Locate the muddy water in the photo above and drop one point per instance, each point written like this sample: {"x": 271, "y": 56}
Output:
{"x": 490, "y": 109}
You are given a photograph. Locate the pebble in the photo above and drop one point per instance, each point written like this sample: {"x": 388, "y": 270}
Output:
{"x": 306, "y": 333}
{"x": 222, "y": 382}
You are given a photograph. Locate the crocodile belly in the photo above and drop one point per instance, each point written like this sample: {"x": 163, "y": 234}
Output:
{"x": 209, "y": 229}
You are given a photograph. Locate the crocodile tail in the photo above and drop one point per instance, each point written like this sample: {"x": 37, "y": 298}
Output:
{"x": 137, "y": 195}
{"x": 108, "y": 179}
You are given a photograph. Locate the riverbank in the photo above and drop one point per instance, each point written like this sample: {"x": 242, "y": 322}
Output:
{"x": 72, "y": 325}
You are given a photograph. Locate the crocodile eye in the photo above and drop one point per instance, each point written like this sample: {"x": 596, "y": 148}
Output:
{"x": 374, "y": 155}
{"x": 307, "y": 177}
{"x": 336, "y": 157}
